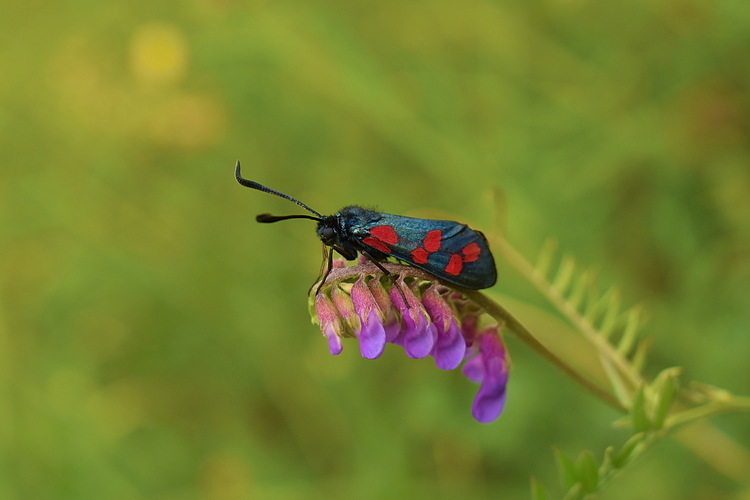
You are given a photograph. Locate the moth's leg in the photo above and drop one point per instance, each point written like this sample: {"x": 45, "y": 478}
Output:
{"x": 322, "y": 269}
{"x": 329, "y": 255}
{"x": 328, "y": 271}
{"x": 345, "y": 253}
{"x": 388, "y": 274}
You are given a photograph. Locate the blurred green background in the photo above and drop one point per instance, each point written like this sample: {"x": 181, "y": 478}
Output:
{"x": 155, "y": 341}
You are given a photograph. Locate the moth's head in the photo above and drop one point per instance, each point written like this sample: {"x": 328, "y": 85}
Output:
{"x": 328, "y": 230}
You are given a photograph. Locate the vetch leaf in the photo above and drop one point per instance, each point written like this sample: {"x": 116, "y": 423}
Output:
{"x": 537, "y": 490}
{"x": 639, "y": 358}
{"x": 594, "y": 304}
{"x": 575, "y": 493}
{"x": 665, "y": 402}
{"x": 658, "y": 384}
{"x": 588, "y": 471}
{"x": 638, "y": 413}
{"x": 582, "y": 284}
{"x": 612, "y": 312}
{"x": 608, "y": 463}
{"x": 627, "y": 449}
{"x": 618, "y": 386}
{"x": 564, "y": 274}
{"x": 566, "y": 469}
{"x": 631, "y": 332}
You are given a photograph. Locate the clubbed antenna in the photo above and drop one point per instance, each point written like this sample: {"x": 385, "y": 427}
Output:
{"x": 260, "y": 187}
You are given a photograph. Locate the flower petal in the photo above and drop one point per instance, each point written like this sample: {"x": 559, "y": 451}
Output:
{"x": 363, "y": 300}
{"x": 436, "y": 306}
{"x": 469, "y": 322}
{"x": 490, "y": 400}
{"x": 391, "y": 323}
{"x": 330, "y": 322}
{"x": 473, "y": 369}
{"x": 334, "y": 341}
{"x": 343, "y": 303}
{"x": 418, "y": 333}
{"x": 450, "y": 348}
{"x": 396, "y": 298}
{"x": 419, "y": 337}
{"x": 327, "y": 312}
{"x": 392, "y": 327}
{"x": 380, "y": 294}
{"x": 372, "y": 337}
{"x": 398, "y": 339}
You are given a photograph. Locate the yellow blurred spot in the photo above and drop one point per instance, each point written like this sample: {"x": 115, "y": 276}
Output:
{"x": 158, "y": 54}
{"x": 225, "y": 476}
{"x": 189, "y": 122}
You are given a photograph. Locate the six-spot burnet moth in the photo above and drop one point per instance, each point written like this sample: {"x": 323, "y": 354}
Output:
{"x": 451, "y": 251}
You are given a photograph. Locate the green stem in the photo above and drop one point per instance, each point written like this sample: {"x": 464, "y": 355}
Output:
{"x": 554, "y": 296}
{"x": 708, "y": 410}
{"x": 493, "y": 309}
{"x": 512, "y": 324}
{"x": 705, "y": 441}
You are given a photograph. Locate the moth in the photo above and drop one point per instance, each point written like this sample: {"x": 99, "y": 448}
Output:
{"x": 449, "y": 250}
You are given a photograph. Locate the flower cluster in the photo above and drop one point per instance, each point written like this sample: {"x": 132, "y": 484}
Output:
{"x": 422, "y": 316}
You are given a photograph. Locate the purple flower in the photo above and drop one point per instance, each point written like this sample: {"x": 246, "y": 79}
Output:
{"x": 330, "y": 322}
{"x": 372, "y": 334}
{"x": 490, "y": 368}
{"x": 423, "y": 316}
{"x": 390, "y": 323}
{"x": 418, "y": 333}
{"x": 343, "y": 303}
{"x": 450, "y": 346}
{"x": 469, "y": 323}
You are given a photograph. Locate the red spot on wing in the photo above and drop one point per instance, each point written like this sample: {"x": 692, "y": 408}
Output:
{"x": 432, "y": 240}
{"x": 454, "y": 265}
{"x": 420, "y": 255}
{"x": 385, "y": 234}
{"x": 376, "y": 244}
{"x": 471, "y": 252}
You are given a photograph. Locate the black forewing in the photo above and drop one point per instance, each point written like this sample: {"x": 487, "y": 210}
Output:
{"x": 411, "y": 232}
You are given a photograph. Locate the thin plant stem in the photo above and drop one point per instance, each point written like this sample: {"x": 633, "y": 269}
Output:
{"x": 514, "y": 326}
{"x": 540, "y": 281}
{"x": 496, "y": 311}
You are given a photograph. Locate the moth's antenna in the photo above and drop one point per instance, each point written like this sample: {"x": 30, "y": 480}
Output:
{"x": 267, "y": 218}
{"x": 260, "y": 187}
